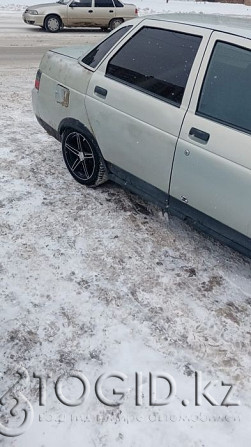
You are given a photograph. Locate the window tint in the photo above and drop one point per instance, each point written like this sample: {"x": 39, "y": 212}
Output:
{"x": 226, "y": 92}
{"x": 156, "y": 61}
{"x": 86, "y": 3}
{"x": 96, "y": 55}
{"x": 118, "y": 4}
{"x": 103, "y": 3}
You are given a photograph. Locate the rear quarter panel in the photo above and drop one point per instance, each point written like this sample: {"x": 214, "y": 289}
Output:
{"x": 58, "y": 70}
{"x": 127, "y": 12}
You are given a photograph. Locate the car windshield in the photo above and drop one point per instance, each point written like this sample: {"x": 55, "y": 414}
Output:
{"x": 63, "y": 2}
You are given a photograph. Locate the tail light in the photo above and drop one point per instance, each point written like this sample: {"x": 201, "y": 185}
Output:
{"x": 136, "y": 11}
{"x": 37, "y": 80}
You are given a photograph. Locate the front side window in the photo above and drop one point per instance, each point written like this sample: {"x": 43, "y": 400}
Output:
{"x": 96, "y": 55}
{"x": 82, "y": 3}
{"x": 104, "y": 3}
{"x": 156, "y": 61}
{"x": 226, "y": 91}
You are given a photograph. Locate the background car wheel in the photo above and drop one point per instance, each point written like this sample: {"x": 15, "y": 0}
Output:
{"x": 52, "y": 23}
{"x": 82, "y": 159}
{"x": 114, "y": 23}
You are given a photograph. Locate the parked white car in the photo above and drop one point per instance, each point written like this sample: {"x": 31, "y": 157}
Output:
{"x": 106, "y": 14}
{"x": 163, "y": 107}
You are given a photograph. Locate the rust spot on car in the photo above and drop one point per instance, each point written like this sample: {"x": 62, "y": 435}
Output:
{"x": 62, "y": 95}
{"x": 65, "y": 102}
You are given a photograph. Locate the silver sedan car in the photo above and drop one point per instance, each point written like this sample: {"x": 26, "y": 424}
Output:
{"x": 163, "y": 107}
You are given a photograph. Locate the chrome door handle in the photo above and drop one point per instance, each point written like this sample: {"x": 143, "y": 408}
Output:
{"x": 100, "y": 91}
{"x": 199, "y": 134}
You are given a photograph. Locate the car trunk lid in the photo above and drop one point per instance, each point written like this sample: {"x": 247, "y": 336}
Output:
{"x": 74, "y": 52}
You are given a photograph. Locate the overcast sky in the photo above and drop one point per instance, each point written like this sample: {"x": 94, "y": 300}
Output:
{"x": 24, "y": 2}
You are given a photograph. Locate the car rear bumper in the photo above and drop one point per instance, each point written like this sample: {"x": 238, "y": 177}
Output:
{"x": 50, "y": 130}
{"x": 35, "y": 101}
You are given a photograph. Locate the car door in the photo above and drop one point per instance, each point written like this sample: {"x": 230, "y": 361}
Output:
{"x": 138, "y": 97}
{"x": 212, "y": 166}
{"x": 80, "y": 13}
{"x": 104, "y": 11}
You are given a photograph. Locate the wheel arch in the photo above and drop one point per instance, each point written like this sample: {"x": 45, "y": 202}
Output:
{"x": 55, "y": 14}
{"x": 72, "y": 123}
{"x": 114, "y": 19}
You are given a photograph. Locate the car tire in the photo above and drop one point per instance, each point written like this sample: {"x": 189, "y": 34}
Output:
{"x": 52, "y": 23}
{"x": 114, "y": 23}
{"x": 83, "y": 158}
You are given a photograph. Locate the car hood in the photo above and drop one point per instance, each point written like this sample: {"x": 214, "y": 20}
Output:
{"x": 43, "y": 5}
{"x": 74, "y": 52}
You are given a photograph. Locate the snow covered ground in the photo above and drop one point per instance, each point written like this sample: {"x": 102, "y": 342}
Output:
{"x": 97, "y": 280}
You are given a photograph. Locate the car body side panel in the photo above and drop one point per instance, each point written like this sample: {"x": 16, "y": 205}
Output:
{"x": 102, "y": 16}
{"x": 214, "y": 177}
{"x": 79, "y": 16}
{"x": 213, "y": 185}
{"x": 137, "y": 131}
{"x": 126, "y": 13}
{"x": 127, "y": 137}
{"x": 63, "y": 73}
{"x": 65, "y": 68}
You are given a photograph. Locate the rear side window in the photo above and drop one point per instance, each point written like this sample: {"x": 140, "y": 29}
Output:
{"x": 104, "y": 3}
{"x": 156, "y": 61}
{"x": 96, "y": 55}
{"x": 226, "y": 91}
{"x": 118, "y": 4}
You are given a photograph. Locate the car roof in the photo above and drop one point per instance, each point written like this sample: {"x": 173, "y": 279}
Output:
{"x": 237, "y": 25}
